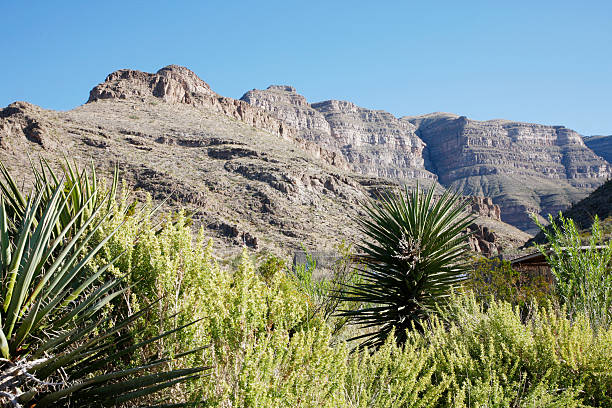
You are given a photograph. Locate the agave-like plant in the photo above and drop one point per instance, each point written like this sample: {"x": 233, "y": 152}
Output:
{"x": 58, "y": 348}
{"x": 416, "y": 250}
{"x": 80, "y": 190}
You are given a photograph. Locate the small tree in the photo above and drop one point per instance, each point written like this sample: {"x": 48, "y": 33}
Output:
{"x": 583, "y": 273}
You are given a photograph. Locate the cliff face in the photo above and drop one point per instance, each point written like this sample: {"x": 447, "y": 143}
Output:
{"x": 372, "y": 142}
{"x": 523, "y": 167}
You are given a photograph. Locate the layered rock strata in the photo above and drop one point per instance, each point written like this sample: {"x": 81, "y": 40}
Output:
{"x": 373, "y": 142}
{"x": 524, "y": 167}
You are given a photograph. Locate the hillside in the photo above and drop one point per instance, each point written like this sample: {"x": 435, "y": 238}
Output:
{"x": 247, "y": 177}
{"x": 598, "y": 203}
{"x": 601, "y": 145}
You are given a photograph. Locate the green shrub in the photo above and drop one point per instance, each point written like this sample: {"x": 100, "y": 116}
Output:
{"x": 583, "y": 274}
{"x": 494, "y": 358}
{"x": 267, "y": 339}
{"x": 415, "y": 251}
{"x": 62, "y": 343}
{"x": 495, "y": 279}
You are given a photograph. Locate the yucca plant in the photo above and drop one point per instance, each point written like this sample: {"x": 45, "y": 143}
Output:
{"x": 80, "y": 190}
{"x": 415, "y": 251}
{"x": 59, "y": 343}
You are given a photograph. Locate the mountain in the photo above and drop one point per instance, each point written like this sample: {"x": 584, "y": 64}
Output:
{"x": 523, "y": 167}
{"x": 247, "y": 177}
{"x": 601, "y": 145}
{"x": 373, "y": 142}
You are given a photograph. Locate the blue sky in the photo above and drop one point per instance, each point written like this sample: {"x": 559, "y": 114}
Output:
{"x": 539, "y": 61}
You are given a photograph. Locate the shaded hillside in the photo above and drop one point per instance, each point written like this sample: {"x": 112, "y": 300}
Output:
{"x": 601, "y": 145}
{"x": 248, "y": 178}
{"x": 599, "y": 203}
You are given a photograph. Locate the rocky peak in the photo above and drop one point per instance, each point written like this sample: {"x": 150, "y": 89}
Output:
{"x": 286, "y": 88}
{"x": 172, "y": 84}
{"x": 176, "y": 84}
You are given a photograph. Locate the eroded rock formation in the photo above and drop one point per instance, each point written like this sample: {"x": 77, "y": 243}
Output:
{"x": 175, "y": 84}
{"x": 22, "y": 120}
{"x": 372, "y": 142}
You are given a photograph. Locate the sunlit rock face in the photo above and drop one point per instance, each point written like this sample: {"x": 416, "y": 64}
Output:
{"x": 373, "y": 142}
{"x": 525, "y": 167}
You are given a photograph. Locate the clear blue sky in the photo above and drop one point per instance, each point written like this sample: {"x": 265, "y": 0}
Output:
{"x": 539, "y": 61}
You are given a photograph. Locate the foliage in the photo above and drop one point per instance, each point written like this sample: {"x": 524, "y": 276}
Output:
{"x": 80, "y": 193}
{"x": 496, "y": 358}
{"x": 416, "y": 251}
{"x": 495, "y": 279}
{"x": 269, "y": 344}
{"x": 58, "y": 346}
{"x": 583, "y": 274}
{"x": 270, "y": 336}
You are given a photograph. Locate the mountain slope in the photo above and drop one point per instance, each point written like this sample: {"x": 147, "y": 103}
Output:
{"x": 247, "y": 177}
{"x": 598, "y": 203}
{"x": 601, "y": 145}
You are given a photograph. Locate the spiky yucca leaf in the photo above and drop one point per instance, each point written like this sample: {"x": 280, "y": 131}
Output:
{"x": 81, "y": 192}
{"x": 57, "y": 347}
{"x": 416, "y": 250}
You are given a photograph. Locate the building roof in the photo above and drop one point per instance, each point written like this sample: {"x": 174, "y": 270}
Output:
{"x": 539, "y": 258}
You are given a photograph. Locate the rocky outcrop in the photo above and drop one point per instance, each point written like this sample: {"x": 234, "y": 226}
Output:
{"x": 175, "y": 84}
{"x": 484, "y": 207}
{"x": 22, "y": 120}
{"x": 372, "y": 142}
{"x": 523, "y": 167}
{"x": 483, "y": 241}
{"x": 601, "y": 145}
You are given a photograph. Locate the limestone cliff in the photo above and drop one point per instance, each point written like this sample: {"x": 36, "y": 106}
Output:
{"x": 373, "y": 142}
{"x": 524, "y": 167}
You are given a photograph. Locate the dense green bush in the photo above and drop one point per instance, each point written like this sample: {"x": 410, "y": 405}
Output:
{"x": 415, "y": 250}
{"x": 268, "y": 342}
{"x": 61, "y": 341}
{"x": 583, "y": 273}
{"x": 496, "y": 279}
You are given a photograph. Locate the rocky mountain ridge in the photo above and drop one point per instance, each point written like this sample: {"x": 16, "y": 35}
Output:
{"x": 524, "y": 167}
{"x": 247, "y": 177}
{"x": 372, "y": 142}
